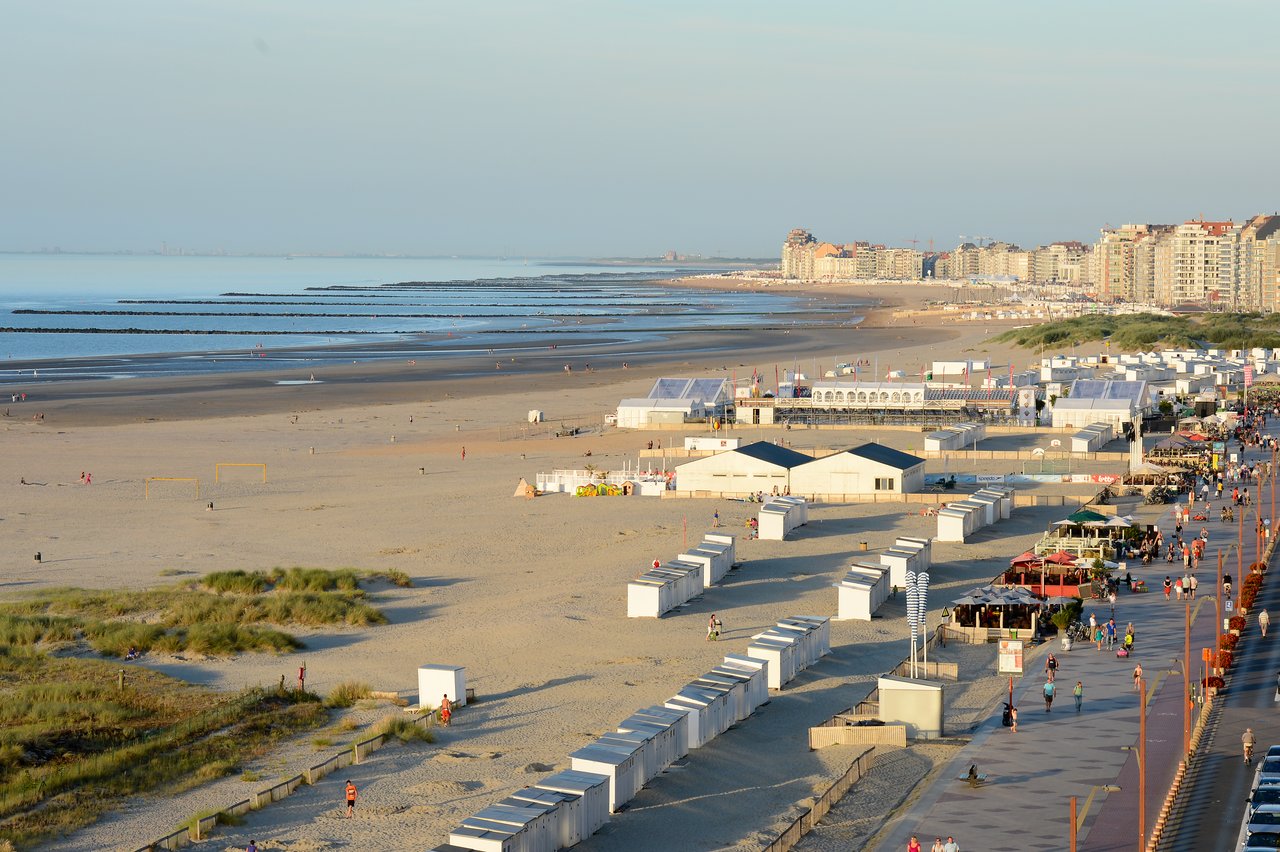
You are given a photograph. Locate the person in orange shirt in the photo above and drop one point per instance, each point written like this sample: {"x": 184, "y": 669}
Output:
{"x": 351, "y": 798}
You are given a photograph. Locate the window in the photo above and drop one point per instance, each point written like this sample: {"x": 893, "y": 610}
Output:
{"x": 884, "y": 483}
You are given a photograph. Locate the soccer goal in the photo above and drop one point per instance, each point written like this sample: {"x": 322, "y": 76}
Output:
{"x": 217, "y": 469}
{"x": 151, "y": 479}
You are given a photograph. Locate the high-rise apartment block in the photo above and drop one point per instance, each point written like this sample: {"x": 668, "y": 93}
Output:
{"x": 1215, "y": 265}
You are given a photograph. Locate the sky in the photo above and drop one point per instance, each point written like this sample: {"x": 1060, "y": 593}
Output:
{"x": 626, "y": 127}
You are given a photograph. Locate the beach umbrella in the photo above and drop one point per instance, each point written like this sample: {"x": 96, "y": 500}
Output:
{"x": 1118, "y": 522}
{"x": 1084, "y": 516}
{"x": 1061, "y": 558}
{"x": 1027, "y": 558}
{"x": 1058, "y": 600}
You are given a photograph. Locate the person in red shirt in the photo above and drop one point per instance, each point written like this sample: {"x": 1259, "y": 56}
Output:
{"x": 351, "y": 798}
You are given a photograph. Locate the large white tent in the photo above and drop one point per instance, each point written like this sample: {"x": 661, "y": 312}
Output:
{"x": 675, "y": 400}
{"x": 761, "y": 466}
{"x": 866, "y": 469}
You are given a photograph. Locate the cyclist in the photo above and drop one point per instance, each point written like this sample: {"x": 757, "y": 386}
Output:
{"x": 1248, "y": 740}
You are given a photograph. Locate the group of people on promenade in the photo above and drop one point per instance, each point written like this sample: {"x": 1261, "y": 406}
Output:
{"x": 938, "y": 845}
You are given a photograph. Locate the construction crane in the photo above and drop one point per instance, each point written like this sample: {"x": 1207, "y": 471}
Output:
{"x": 914, "y": 243}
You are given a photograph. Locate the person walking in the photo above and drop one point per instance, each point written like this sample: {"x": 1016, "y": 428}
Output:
{"x": 1048, "y": 695}
{"x": 1168, "y": 587}
{"x": 1098, "y": 635}
{"x": 1195, "y": 584}
{"x": 1137, "y": 676}
{"x": 446, "y": 710}
{"x": 464, "y": 453}
{"x": 351, "y": 798}
{"x": 937, "y": 845}
{"x": 951, "y": 845}
{"x": 1078, "y": 694}
{"x": 913, "y": 845}
{"x": 252, "y": 847}
{"x": 1051, "y": 667}
{"x": 1093, "y": 623}
{"x": 715, "y": 518}
{"x": 1263, "y": 621}
{"x": 1177, "y": 588}
{"x": 1111, "y": 634}
{"x": 1013, "y": 719}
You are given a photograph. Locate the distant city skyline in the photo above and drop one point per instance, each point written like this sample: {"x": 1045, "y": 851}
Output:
{"x": 624, "y": 130}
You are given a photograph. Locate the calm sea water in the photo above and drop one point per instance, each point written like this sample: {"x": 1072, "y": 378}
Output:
{"x": 91, "y": 313}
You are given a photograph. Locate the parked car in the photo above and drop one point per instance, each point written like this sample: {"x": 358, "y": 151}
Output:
{"x": 1264, "y": 818}
{"x": 1263, "y": 796}
{"x": 1269, "y": 771}
{"x": 1261, "y": 841}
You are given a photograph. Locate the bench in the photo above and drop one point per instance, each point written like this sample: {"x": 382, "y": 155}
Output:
{"x": 974, "y": 781}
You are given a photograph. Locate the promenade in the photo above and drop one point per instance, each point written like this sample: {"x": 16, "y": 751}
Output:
{"x": 1091, "y": 754}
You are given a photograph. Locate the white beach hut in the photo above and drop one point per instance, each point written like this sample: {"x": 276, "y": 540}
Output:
{"x": 757, "y": 670}
{"x": 623, "y": 767}
{"x": 647, "y": 762}
{"x": 566, "y": 810}
{"x": 485, "y": 836}
{"x": 538, "y": 825}
{"x": 704, "y": 708}
{"x": 593, "y": 787}
{"x": 779, "y": 652}
{"x": 924, "y": 545}
{"x": 853, "y": 598}
{"x": 435, "y": 682}
{"x": 726, "y": 539}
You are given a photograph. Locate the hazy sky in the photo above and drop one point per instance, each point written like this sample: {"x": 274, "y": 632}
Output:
{"x": 626, "y": 128}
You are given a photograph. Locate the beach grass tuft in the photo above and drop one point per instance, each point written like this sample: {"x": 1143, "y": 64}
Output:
{"x": 405, "y": 729}
{"x": 227, "y": 612}
{"x": 346, "y": 694}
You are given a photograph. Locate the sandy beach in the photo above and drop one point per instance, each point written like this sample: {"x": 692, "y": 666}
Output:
{"x": 366, "y": 470}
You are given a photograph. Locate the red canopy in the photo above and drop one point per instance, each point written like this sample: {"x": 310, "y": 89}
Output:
{"x": 1027, "y": 558}
{"x": 1061, "y": 558}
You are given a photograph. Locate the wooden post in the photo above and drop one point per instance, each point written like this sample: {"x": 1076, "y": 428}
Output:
{"x": 1072, "y": 830}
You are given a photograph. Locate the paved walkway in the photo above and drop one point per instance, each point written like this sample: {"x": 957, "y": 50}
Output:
{"x": 1055, "y": 755}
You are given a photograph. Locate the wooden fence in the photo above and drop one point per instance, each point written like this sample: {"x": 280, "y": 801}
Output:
{"x": 813, "y": 814}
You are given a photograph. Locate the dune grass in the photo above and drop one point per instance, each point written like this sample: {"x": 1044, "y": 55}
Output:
{"x": 73, "y": 744}
{"x": 227, "y": 612}
{"x": 405, "y": 729}
{"x": 1130, "y": 332}
{"x": 346, "y": 694}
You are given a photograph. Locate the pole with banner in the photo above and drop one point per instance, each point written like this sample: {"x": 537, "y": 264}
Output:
{"x": 1248, "y": 381}
{"x": 912, "y": 594}
{"x": 922, "y": 608}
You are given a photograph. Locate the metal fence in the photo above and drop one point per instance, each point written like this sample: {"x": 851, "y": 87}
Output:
{"x": 557, "y": 427}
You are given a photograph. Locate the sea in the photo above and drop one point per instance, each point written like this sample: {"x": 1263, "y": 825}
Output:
{"x": 81, "y": 316}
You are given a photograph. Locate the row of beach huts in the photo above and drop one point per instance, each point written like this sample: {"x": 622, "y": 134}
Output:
{"x": 567, "y": 807}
